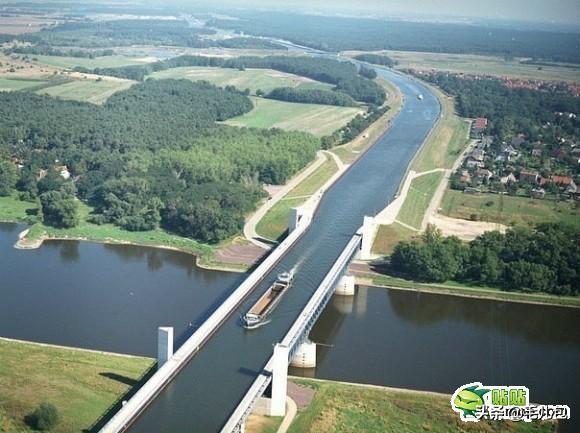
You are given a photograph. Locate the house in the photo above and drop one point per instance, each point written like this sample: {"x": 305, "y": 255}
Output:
{"x": 472, "y": 163}
{"x": 518, "y": 140}
{"x": 529, "y": 176}
{"x": 510, "y": 178}
{"x": 41, "y": 174}
{"x": 561, "y": 181}
{"x": 63, "y": 172}
{"x": 465, "y": 177}
{"x": 538, "y": 193}
{"x": 484, "y": 174}
{"x": 478, "y": 126}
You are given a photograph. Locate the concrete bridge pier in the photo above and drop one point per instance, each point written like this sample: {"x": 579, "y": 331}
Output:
{"x": 279, "y": 380}
{"x": 164, "y": 345}
{"x": 305, "y": 357}
{"x": 369, "y": 231}
{"x": 345, "y": 286}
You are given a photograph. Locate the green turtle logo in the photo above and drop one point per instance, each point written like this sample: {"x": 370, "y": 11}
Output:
{"x": 467, "y": 400}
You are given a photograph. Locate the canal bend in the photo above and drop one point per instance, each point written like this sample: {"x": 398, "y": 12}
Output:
{"x": 204, "y": 394}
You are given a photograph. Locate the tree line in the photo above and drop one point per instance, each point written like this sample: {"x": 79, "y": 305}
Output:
{"x": 343, "y": 75}
{"x": 353, "y": 128}
{"x": 312, "y": 96}
{"x": 151, "y": 156}
{"x": 377, "y": 59}
{"x": 545, "y": 258}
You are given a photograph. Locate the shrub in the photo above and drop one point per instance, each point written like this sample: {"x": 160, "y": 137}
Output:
{"x": 44, "y": 417}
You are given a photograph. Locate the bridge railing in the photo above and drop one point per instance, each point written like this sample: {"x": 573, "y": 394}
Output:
{"x": 149, "y": 391}
{"x": 297, "y": 333}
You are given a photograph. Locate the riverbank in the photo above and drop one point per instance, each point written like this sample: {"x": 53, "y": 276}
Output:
{"x": 350, "y": 407}
{"x": 83, "y": 385}
{"x": 463, "y": 290}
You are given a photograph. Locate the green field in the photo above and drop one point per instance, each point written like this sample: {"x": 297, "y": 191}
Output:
{"x": 81, "y": 384}
{"x": 489, "y": 65}
{"x": 343, "y": 408}
{"x": 85, "y": 62}
{"x": 10, "y": 84}
{"x": 390, "y": 235}
{"x": 14, "y": 210}
{"x": 444, "y": 145}
{"x": 275, "y": 222}
{"x": 418, "y": 199}
{"x": 93, "y": 91}
{"x": 253, "y": 79}
{"x": 509, "y": 210}
{"x": 319, "y": 120}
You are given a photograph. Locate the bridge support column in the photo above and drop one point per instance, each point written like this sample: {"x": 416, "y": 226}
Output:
{"x": 164, "y": 345}
{"x": 345, "y": 286}
{"x": 279, "y": 380}
{"x": 305, "y": 357}
{"x": 296, "y": 215}
{"x": 369, "y": 231}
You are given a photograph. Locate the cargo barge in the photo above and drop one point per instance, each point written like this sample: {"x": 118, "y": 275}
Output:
{"x": 258, "y": 314}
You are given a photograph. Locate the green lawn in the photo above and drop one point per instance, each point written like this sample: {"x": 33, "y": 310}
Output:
{"x": 508, "y": 210}
{"x": 418, "y": 199}
{"x": 82, "y": 385}
{"x": 390, "y": 235}
{"x": 342, "y": 408}
{"x": 319, "y": 120}
{"x": 98, "y": 62}
{"x": 275, "y": 222}
{"x": 10, "y": 84}
{"x": 446, "y": 142}
{"x": 14, "y": 210}
{"x": 93, "y": 91}
{"x": 253, "y": 79}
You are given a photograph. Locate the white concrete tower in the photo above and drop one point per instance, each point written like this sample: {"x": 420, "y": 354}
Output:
{"x": 345, "y": 286}
{"x": 305, "y": 356}
{"x": 164, "y": 345}
{"x": 279, "y": 380}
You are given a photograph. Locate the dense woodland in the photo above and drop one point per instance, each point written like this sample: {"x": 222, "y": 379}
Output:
{"x": 344, "y": 75}
{"x": 543, "y": 259}
{"x": 512, "y": 110}
{"x": 339, "y": 34}
{"x": 377, "y": 59}
{"x": 150, "y": 156}
{"x": 312, "y": 96}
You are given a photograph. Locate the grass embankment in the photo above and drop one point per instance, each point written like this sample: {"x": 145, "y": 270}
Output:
{"x": 253, "y": 79}
{"x": 484, "y": 65}
{"x": 319, "y": 120}
{"x": 81, "y": 384}
{"x": 275, "y": 222}
{"x": 341, "y": 408}
{"x": 509, "y": 210}
{"x": 418, "y": 199}
{"x": 87, "y": 90}
{"x": 390, "y": 235}
{"x": 12, "y": 209}
{"x": 483, "y": 292}
{"x": 263, "y": 424}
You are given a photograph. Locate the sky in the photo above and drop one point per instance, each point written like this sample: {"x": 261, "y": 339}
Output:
{"x": 555, "y": 11}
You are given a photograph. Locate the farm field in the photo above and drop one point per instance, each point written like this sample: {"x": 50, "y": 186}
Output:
{"x": 10, "y": 84}
{"x": 253, "y": 79}
{"x": 93, "y": 91}
{"x": 82, "y": 385}
{"x": 319, "y": 120}
{"x": 488, "y": 65}
{"x": 97, "y": 62}
{"x": 508, "y": 210}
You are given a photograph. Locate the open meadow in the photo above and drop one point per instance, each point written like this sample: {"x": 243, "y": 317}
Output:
{"x": 14, "y": 84}
{"x": 319, "y": 120}
{"x": 87, "y": 90}
{"x": 253, "y": 79}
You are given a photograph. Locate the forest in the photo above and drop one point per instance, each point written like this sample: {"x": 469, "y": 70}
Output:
{"x": 341, "y": 33}
{"x": 512, "y": 110}
{"x": 311, "y": 96}
{"x": 151, "y": 156}
{"x": 344, "y": 75}
{"x": 545, "y": 258}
